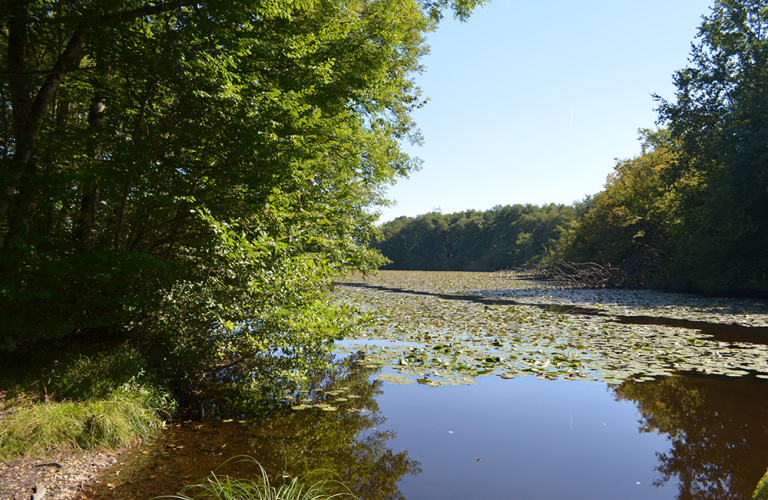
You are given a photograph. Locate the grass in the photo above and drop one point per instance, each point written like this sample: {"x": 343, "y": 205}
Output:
{"x": 761, "y": 492}
{"x": 83, "y": 403}
{"x": 40, "y": 428}
{"x": 227, "y": 488}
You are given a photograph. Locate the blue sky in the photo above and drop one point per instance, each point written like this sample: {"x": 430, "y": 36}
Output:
{"x": 533, "y": 102}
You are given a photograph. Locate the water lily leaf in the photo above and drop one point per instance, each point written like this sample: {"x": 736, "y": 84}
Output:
{"x": 395, "y": 379}
{"x": 464, "y": 339}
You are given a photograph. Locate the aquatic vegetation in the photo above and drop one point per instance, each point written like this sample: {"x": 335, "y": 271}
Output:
{"x": 327, "y": 400}
{"x": 228, "y": 488}
{"x": 746, "y": 312}
{"x": 450, "y": 340}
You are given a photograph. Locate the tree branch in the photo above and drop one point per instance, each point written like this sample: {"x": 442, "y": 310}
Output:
{"x": 121, "y": 17}
{"x": 70, "y": 56}
{"x": 43, "y": 73}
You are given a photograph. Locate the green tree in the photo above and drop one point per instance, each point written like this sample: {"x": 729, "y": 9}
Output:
{"x": 627, "y": 223}
{"x": 194, "y": 174}
{"x": 503, "y": 237}
{"x": 721, "y": 180}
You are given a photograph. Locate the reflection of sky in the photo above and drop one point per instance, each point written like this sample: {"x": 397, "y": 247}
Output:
{"x": 536, "y": 440}
{"x": 351, "y": 343}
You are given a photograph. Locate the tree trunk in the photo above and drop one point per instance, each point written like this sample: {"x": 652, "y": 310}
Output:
{"x": 90, "y": 188}
{"x": 28, "y": 119}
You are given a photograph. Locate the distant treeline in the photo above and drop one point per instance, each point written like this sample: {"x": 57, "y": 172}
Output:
{"x": 690, "y": 212}
{"x": 659, "y": 219}
{"x": 503, "y": 237}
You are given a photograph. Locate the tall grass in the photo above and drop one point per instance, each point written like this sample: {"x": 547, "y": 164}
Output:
{"x": 761, "y": 492}
{"x": 41, "y": 428}
{"x": 84, "y": 403}
{"x": 227, "y": 488}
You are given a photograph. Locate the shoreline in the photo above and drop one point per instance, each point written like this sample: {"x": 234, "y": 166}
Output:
{"x": 63, "y": 475}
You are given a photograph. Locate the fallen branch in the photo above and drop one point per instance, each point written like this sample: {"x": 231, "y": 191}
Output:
{"x": 571, "y": 274}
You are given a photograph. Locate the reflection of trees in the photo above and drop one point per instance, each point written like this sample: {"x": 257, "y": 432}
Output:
{"x": 718, "y": 428}
{"x": 345, "y": 442}
{"x": 286, "y": 442}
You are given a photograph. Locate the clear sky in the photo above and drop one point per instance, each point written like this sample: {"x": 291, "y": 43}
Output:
{"x": 532, "y": 102}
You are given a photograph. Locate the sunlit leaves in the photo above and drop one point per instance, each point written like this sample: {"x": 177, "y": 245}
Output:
{"x": 242, "y": 153}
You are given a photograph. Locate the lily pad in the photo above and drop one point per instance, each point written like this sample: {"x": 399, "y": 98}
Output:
{"x": 458, "y": 339}
{"x": 395, "y": 379}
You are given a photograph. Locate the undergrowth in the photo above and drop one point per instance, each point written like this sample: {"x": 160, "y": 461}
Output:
{"x": 82, "y": 403}
{"x": 761, "y": 492}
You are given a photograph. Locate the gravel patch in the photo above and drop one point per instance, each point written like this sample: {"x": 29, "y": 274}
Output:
{"x": 64, "y": 476}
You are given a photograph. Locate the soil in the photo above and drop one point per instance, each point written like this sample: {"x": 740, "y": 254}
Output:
{"x": 65, "y": 476}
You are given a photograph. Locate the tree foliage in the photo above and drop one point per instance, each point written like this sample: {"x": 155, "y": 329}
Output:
{"x": 721, "y": 177}
{"x": 626, "y": 225}
{"x": 194, "y": 173}
{"x": 692, "y": 210}
{"x": 503, "y": 237}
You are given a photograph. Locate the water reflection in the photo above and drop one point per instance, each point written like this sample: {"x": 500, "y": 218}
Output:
{"x": 718, "y": 429}
{"x": 700, "y": 438}
{"x": 286, "y": 442}
{"x": 346, "y": 441}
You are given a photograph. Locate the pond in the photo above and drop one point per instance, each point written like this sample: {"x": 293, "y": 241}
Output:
{"x": 446, "y": 395}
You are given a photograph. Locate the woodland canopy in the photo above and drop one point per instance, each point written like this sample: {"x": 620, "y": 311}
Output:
{"x": 689, "y": 213}
{"x": 191, "y": 175}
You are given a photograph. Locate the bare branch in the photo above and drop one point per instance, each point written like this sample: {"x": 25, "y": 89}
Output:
{"x": 572, "y": 274}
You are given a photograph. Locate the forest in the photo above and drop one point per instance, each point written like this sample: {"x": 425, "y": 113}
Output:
{"x": 689, "y": 212}
{"x": 187, "y": 178}
{"x": 500, "y": 238}
{"x": 188, "y": 222}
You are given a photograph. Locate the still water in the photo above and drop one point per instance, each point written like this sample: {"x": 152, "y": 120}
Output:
{"x": 680, "y": 437}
